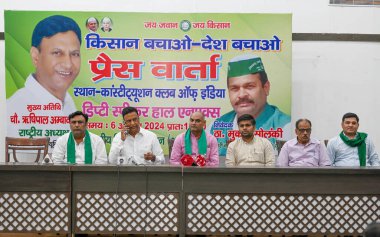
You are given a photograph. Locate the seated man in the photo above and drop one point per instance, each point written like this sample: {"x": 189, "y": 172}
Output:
{"x": 133, "y": 144}
{"x": 249, "y": 149}
{"x": 303, "y": 150}
{"x": 79, "y": 146}
{"x": 352, "y": 148}
{"x": 195, "y": 141}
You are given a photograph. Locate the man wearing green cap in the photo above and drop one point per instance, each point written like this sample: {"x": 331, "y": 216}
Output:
{"x": 248, "y": 89}
{"x": 352, "y": 148}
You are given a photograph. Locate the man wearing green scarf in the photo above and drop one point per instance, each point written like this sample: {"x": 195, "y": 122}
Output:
{"x": 195, "y": 141}
{"x": 352, "y": 148}
{"x": 248, "y": 89}
{"x": 80, "y": 146}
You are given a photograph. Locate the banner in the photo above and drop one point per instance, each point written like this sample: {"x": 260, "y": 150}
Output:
{"x": 167, "y": 65}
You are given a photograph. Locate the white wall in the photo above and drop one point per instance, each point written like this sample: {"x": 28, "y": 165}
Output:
{"x": 329, "y": 78}
{"x": 332, "y": 78}
{"x": 311, "y": 16}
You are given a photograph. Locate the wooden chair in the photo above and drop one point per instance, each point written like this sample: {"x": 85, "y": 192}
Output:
{"x": 40, "y": 145}
{"x": 279, "y": 145}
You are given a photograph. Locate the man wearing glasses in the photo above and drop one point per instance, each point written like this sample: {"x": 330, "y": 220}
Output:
{"x": 303, "y": 150}
{"x": 133, "y": 144}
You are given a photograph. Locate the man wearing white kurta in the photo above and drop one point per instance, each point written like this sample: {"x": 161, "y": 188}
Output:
{"x": 135, "y": 145}
{"x": 80, "y": 146}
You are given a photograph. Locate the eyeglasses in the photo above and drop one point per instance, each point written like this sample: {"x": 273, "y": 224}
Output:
{"x": 302, "y": 130}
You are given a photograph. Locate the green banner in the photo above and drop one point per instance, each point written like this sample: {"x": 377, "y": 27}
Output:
{"x": 167, "y": 65}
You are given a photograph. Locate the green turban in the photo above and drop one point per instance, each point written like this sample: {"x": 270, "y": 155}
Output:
{"x": 244, "y": 65}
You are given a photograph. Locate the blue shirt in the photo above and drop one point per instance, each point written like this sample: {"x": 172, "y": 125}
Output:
{"x": 344, "y": 155}
{"x": 270, "y": 118}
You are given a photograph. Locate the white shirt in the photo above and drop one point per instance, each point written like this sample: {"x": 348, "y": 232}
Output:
{"x": 99, "y": 154}
{"x": 259, "y": 151}
{"x": 135, "y": 147}
{"x": 34, "y": 94}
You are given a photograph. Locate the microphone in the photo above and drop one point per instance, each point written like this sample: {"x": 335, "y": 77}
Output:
{"x": 120, "y": 160}
{"x": 126, "y": 132}
{"x": 132, "y": 161}
{"x": 47, "y": 160}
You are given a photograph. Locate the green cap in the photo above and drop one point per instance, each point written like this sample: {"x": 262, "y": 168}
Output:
{"x": 244, "y": 65}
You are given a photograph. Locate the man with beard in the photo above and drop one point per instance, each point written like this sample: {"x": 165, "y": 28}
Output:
{"x": 352, "y": 148}
{"x": 249, "y": 150}
{"x": 303, "y": 150}
{"x": 80, "y": 146}
{"x": 195, "y": 141}
{"x": 248, "y": 88}
{"x": 134, "y": 144}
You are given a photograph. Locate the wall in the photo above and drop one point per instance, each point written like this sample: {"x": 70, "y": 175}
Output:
{"x": 329, "y": 78}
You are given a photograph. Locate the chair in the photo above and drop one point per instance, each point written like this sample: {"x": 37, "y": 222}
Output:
{"x": 279, "y": 145}
{"x": 26, "y": 144}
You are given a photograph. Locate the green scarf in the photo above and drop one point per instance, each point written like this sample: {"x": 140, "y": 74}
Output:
{"x": 71, "y": 149}
{"x": 202, "y": 143}
{"x": 359, "y": 142}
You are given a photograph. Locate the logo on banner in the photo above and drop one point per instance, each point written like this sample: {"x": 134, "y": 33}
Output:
{"x": 185, "y": 25}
